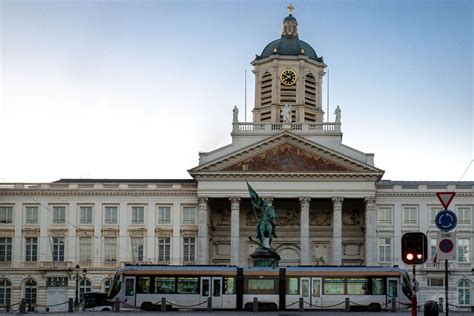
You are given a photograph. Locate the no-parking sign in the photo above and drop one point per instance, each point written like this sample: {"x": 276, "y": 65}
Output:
{"x": 446, "y": 246}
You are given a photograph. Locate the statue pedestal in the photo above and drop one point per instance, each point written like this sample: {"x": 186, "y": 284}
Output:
{"x": 286, "y": 126}
{"x": 265, "y": 258}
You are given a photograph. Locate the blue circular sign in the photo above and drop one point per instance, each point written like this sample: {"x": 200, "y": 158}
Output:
{"x": 446, "y": 220}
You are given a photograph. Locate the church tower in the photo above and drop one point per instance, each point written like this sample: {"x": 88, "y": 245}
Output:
{"x": 288, "y": 72}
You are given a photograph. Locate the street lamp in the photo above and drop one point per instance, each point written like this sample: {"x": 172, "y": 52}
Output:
{"x": 74, "y": 274}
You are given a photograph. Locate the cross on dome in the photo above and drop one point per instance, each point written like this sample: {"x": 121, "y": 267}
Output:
{"x": 290, "y": 8}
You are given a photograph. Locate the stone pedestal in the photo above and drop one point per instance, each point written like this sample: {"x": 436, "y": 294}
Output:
{"x": 263, "y": 257}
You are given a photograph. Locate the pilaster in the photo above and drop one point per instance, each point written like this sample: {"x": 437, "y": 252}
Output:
{"x": 305, "y": 250}
{"x": 203, "y": 237}
{"x": 337, "y": 230}
{"x": 370, "y": 238}
{"x": 234, "y": 230}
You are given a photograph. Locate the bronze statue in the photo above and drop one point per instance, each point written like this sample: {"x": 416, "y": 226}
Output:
{"x": 266, "y": 220}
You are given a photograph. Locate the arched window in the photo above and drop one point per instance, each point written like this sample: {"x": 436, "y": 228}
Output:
{"x": 5, "y": 292}
{"x": 464, "y": 293}
{"x": 266, "y": 96}
{"x": 85, "y": 286}
{"x": 30, "y": 292}
{"x": 107, "y": 284}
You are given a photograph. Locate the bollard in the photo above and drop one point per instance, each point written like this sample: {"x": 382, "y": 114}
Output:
{"x": 394, "y": 304}
{"x": 209, "y": 304}
{"x": 117, "y": 305}
{"x": 301, "y": 309}
{"x": 70, "y": 304}
{"x": 255, "y": 304}
{"x": 7, "y": 308}
{"x": 163, "y": 304}
{"x": 23, "y": 306}
{"x": 441, "y": 305}
{"x": 348, "y": 305}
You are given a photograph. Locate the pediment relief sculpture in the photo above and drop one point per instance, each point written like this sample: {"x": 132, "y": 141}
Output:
{"x": 286, "y": 158}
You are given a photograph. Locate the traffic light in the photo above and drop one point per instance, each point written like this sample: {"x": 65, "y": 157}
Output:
{"x": 414, "y": 248}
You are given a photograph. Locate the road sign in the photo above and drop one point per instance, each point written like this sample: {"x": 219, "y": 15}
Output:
{"x": 446, "y": 220}
{"x": 445, "y": 198}
{"x": 446, "y": 246}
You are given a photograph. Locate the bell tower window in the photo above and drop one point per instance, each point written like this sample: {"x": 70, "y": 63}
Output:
{"x": 266, "y": 97}
{"x": 310, "y": 90}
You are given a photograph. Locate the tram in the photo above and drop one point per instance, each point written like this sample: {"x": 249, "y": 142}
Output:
{"x": 231, "y": 287}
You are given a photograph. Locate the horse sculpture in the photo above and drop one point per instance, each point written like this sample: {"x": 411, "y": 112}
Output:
{"x": 266, "y": 225}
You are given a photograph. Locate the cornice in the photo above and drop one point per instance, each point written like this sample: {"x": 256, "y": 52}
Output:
{"x": 73, "y": 192}
{"x": 292, "y": 176}
{"x": 419, "y": 194}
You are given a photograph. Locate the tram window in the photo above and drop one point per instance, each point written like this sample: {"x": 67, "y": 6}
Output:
{"x": 229, "y": 285}
{"x": 165, "y": 285}
{"x": 393, "y": 288}
{"x": 293, "y": 286}
{"x": 216, "y": 287}
{"x": 357, "y": 286}
{"x": 261, "y": 286}
{"x": 378, "y": 286}
{"x": 188, "y": 285}
{"x": 143, "y": 285}
{"x": 129, "y": 287}
{"x": 333, "y": 286}
{"x": 205, "y": 287}
{"x": 316, "y": 288}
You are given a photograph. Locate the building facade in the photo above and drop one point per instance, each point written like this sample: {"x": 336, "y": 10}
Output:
{"x": 333, "y": 206}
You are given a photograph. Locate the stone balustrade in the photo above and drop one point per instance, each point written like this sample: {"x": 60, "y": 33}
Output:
{"x": 299, "y": 128}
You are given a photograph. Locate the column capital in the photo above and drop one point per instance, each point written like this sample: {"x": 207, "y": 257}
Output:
{"x": 337, "y": 200}
{"x": 234, "y": 199}
{"x": 304, "y": 201}
{"x": 370, "y": 201}
{"x": 202, "y": 201}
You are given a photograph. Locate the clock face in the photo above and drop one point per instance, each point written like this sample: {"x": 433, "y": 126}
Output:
{"x": 288, "y": 77}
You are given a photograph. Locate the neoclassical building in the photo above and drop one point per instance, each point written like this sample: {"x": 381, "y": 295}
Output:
{"x": 333, "y": 206}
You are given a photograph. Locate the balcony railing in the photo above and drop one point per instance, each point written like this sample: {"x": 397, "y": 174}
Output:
{"x": 299, "y": 128}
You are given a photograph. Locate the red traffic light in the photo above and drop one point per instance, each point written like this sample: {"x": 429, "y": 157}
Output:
{"x": 414, "y": 248}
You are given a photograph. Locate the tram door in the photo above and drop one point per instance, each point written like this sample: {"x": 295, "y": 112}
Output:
{"x": 212, "y": 287}
{"x": 392, "y": 289}
{"x": 129, "y": 295}
{"x": 310, "y": 291}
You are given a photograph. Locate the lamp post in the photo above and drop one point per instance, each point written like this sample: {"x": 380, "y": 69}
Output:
{"x": 75, "y": 274}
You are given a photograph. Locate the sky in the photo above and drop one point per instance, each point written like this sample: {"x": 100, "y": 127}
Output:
{"x": 136, "y": 89}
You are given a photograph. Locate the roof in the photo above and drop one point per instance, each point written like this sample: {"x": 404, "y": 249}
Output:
{"x": 191, "y": 181}
{"x": 289, "y": 46}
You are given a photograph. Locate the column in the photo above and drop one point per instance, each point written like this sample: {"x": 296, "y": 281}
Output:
{"x": 337, "y": 230}
{"x": 203, "y": 238}
{"x": 370, "y": 238}
{"x": 234, "y": 230}
{"x": 305, "y": 251}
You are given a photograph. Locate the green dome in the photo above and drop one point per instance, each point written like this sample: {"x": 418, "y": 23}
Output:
{"x": 289, "y": 46}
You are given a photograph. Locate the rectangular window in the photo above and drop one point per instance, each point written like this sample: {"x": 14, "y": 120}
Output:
{"x": 138, "y": 215}
{"x": 164, "y": 215}
{"x": 357, "y": 286}
{"x": 229, "y": 285}
{"x": 110, "y": 249}
{"x": 464, "y": 215}
{"x": 385, "y": 250}
{"x": 137, "y": 248}
{"x": 434, "y": 210}
{"x": 164, "y": 285}
{"x": 31, "y": 248}
{"x": 164, "y": 248}
{"x": 188, "y": 285}
{"x": 58, "y": 249}
{"x": 5, "y": 249}
{"x": 111, "y": 215}
{"x": 59, "y": 214}
{"x": 6, "y": 215}
{"x": 143, "y": 285}
{"x": 189, "y": 215}
{"x": 261, "y": 286}
{"x": 86, "y": 214}
{"x": 378, "y": 286}
{"x": 293, "y": 287}
{"x": 384, "y": 216}
{"x": 189, "y": 248}
{"x": 333, "y": 286}
{"x": 410, "y": 215}
{"x": 435, "y": 281}
{"x": 463, "y": 250}
{"x": 85, "y": 249}
{"x": 433, "y": 247}
{"x": 31, "y": 213}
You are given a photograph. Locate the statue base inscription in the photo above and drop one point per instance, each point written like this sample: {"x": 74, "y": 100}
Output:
{"x": 263, "y": 257}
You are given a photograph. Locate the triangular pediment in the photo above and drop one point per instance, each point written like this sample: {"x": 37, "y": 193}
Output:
{"x": 285, "y": 154}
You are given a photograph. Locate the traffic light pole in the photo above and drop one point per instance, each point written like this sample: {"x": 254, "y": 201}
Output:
{"x": 446, "y": 286}
{"x": 414, "y": 304}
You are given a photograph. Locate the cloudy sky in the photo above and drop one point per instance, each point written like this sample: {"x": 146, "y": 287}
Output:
{"x": 136, "y": 89}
